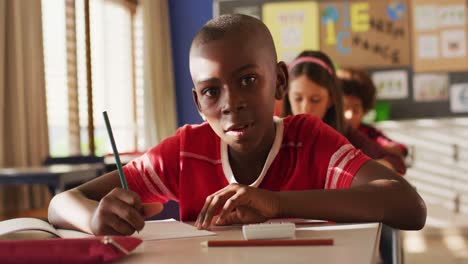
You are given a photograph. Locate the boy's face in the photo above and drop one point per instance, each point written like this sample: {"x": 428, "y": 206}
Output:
{"x": 235, "y": 85}
{"x": 353, "y": 110}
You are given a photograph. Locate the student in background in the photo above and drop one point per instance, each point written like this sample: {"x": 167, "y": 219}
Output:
{"x": 359, "y": 97}
{"x": 242, "y": 162}
{"x": 314, "y": 89}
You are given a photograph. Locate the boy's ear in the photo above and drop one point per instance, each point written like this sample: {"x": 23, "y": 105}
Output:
{"x": 197, "y": 104}
{"x": 282, "y": 80}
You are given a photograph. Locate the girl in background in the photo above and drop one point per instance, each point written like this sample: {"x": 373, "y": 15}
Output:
{"x": 314, "y": 89}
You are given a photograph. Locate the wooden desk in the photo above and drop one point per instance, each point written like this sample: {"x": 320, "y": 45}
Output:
{"x": 357, "y": 245}
{"x": 56, "y": 176}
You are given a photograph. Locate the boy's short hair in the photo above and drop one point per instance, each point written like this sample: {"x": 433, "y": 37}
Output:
{"x": 222, "y": 26}
{"x": 358, "y": 83}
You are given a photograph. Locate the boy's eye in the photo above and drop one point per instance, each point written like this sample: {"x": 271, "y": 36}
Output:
{"x": 297, "y": 99}
{"x": 315, "y": 100}
{"x": 249, "y": 80}
{"x": 210, "y": 92}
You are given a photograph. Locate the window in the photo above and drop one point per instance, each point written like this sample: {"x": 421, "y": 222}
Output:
{"x": 116, "y": 66}
{"x": 53, "y": 16}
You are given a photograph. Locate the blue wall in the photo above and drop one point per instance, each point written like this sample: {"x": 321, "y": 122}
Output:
{"x": 187, "y": 17}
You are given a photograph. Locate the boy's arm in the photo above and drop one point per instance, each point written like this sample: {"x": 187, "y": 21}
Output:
{"x": 99, "y": 207}
{"x": 73, "y": 209}
{"x": 376, "y": 194}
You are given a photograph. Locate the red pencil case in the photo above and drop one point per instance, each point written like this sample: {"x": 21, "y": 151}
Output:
{"x": 67, "y": 250}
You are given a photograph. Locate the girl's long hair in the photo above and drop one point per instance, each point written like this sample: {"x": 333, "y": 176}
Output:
{"x": 324, "y": 77}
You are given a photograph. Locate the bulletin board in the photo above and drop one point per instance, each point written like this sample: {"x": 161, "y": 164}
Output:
{"x": 439, "y": 35}
{"x": 381, "y": 36}
{"x": 294, "y": 26}
{"x": 366, "y": 33}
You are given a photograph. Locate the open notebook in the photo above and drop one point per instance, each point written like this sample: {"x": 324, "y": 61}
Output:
{"x": 153, "y": 230}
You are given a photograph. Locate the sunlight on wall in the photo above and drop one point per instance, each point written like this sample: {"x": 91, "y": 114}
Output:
{"x": 415, "y": 242}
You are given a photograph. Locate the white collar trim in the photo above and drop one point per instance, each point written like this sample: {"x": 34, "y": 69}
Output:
{"x": 271, "y": 155}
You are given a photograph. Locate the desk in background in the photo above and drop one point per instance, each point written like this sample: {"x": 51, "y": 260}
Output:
{"x": 55, "y": 176}
{"x": 125, "y": 157}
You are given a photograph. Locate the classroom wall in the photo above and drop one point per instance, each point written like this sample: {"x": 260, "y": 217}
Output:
{"x": 187, "y": 17}
{"x": 412, "y": 84}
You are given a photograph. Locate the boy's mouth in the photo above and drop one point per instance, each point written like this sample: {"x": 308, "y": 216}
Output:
{"x": 237, "y": 130}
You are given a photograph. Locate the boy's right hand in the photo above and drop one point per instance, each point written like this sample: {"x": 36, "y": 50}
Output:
{"x": 120, "y": 212}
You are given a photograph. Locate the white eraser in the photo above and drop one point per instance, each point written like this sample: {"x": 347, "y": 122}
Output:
{"x": 269, "y": 231}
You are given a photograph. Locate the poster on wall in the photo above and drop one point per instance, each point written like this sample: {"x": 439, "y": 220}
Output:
{"x": 248, "y": 10}
{"x": 391, "y": 84}
{"x": 459, "y": 98}
{"x": 366, "y": 33}
{"x": 294, "y": 26}
{"x": 431, "y": 87}
{"x": 246, "y": 7}
{"x": 439, "y": 33}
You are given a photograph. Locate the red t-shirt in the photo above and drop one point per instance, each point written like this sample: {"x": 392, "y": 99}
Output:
{"x": 194, "y": 163}
{"x": 379, "y": 137}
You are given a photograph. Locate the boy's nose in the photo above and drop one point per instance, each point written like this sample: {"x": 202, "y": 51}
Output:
{"x": 233, "y": 101}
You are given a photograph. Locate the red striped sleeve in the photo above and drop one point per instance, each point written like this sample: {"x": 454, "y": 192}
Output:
{"x": 343, "y": 165}
{"x": 154, "y": 175}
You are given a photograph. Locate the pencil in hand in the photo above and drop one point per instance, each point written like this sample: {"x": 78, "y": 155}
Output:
{"x": 114, "y": 150}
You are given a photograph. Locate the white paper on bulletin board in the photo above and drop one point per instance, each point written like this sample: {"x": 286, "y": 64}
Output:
{"x": 452, "y": 15}
{"x": 424, "y": 17}
{"x": 391, "y": 84}
{"x": 459, "y": 98}
{"x": 439, "y": 32}
{"x": 294, "y": 26}
{"x": 253, "y": 11}
{"x": 430, "y": 87}
{"x": 428, "y": 46}
{"x": 453, "y": 43}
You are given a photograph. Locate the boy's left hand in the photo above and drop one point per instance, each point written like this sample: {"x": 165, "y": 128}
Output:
{"x": 240, "y": 204}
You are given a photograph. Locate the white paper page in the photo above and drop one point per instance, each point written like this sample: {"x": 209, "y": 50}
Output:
{"x": 430, "y": 87}
{"x": 453, "y": 43}
{"x": 168, "y": 229}
{"x": 391, "y": 84}
{"x": 428, "y": 46}
{"x": 425, "y": 17}
{"x": 26, "y": 223}
{"x": 65, "y": 233}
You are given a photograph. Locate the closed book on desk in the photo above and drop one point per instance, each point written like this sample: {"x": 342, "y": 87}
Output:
{"x": 75, "y": 247}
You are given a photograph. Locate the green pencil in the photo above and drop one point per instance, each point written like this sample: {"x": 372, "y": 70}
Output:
{"x": 116, "y": 153}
